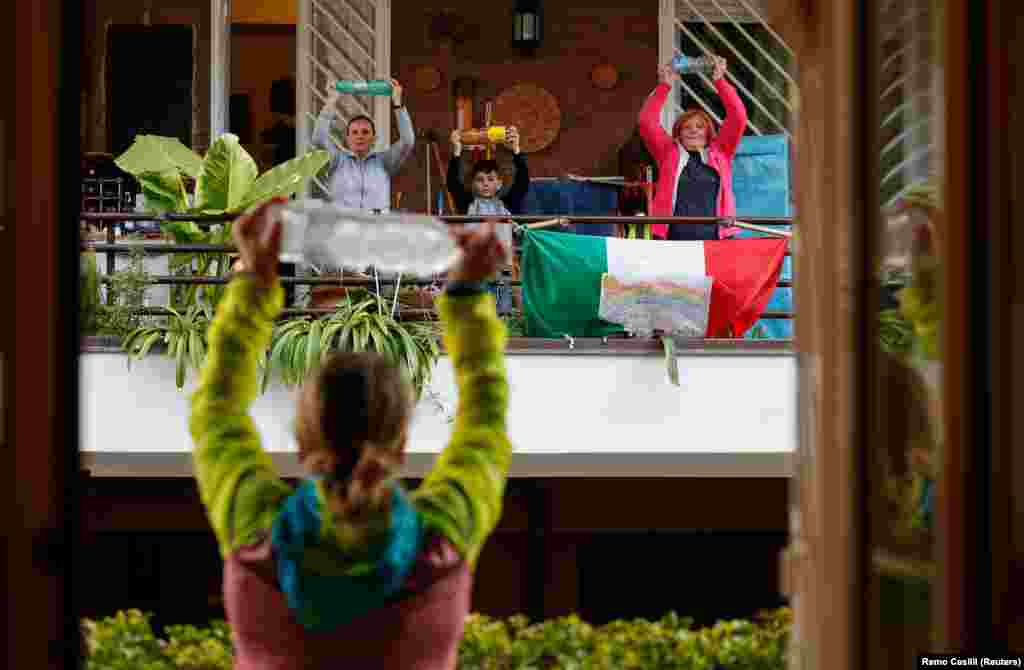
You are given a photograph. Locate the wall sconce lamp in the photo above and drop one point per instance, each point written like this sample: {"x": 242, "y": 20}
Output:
{"x": 527, "y": 25}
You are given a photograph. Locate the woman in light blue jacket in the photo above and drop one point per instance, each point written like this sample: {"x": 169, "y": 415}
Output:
{"x": 361, "y": 178}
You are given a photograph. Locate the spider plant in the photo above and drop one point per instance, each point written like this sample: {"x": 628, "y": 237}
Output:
{"x": 361, "y": 324}
{"x": 184, "y": 336}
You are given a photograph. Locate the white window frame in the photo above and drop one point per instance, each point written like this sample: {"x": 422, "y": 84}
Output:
{"x": 220, "y": 66}
{"x": 667, "y": 40}
{"x": 666, "y": 50}
{"x": 382, "y": 57}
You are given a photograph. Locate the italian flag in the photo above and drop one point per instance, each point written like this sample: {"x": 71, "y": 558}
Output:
{"x": 563, "y": 274}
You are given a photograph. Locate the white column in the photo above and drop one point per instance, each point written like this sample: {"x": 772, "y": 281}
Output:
{"x": 303, "y": 80}
{"x": 666, "y": 50}
{"x": 220, "y": 66}
{"x": 382, "y": 113}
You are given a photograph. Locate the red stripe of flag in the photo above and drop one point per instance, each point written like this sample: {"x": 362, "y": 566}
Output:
{"x": 745, "y": 274}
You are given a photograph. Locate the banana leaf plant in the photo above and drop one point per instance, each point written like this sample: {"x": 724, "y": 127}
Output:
{"x": 299, "y": 346}
{"x": 184, "y": 336}
{"x": 226, "y": 180}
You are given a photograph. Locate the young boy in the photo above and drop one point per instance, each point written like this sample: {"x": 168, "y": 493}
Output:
{"x": 488, "y": 197}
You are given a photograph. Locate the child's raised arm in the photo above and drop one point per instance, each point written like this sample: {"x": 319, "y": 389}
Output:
{"x": 237, "y": 482}
{"x": 462, "y": 496}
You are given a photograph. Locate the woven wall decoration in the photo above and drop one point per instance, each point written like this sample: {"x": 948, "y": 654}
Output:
{"x": 427, "y": 78}
{"x": 531, "y": 109}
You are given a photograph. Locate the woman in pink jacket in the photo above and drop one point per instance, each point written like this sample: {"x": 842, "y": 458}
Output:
{"x": 695, "y": 162}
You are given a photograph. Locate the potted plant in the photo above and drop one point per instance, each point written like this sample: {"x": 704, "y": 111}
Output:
{"x": 363, "y": 322}
{"x": 184, "y": 336}
{"x": 226, "y": 180}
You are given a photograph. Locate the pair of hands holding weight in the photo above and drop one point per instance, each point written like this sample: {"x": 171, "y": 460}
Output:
{"x": 258, "y": 238}
{"x": 511, "y": 140}
{"x": 667, "y": 75}
{"x": 333, "y": 95}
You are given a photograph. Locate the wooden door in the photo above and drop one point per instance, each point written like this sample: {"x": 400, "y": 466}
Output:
{"x": 822, "y": 573}
{"x": 39, "y": 375}
{"x": 904, "y": 534}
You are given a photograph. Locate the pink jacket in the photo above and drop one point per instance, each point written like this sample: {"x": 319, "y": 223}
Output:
{"x": 666, "y": 151}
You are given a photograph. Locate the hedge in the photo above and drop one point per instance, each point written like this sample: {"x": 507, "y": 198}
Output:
{"x": 127, "y": 641}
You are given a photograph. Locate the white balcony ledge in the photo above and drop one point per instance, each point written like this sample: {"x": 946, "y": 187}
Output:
{"x": 597, "y": 410}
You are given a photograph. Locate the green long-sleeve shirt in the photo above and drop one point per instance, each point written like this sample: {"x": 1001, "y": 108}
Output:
{"x": 460, "y": 498}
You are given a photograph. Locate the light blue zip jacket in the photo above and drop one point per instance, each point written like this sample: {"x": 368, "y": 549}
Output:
{"x": 364, "y": 183}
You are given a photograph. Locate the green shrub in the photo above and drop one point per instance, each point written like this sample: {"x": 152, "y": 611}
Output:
{"x": 125, "y": 293}
{"x": 126, "y": 641}
{"x": 88, "y": 294}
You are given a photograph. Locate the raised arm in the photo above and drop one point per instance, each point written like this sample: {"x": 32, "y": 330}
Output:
{"x": 462, "y": 495}
{"x": 513, "y": 199}
{"x": 237, "y": 482}
{"x": 397, "y": 153}
{"x": 456, "y": 187}
{"x": 656, "y": 139}
{"x": 735, "y": 123}
{"x": 322, "y": 129}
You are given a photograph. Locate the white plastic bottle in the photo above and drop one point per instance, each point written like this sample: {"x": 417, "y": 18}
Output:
{"x": 322, "y": 234}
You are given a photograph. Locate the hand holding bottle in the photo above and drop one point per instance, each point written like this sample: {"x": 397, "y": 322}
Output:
{"x": 719, "y": 71}
{"x": 333, "y": 95}
{"x": 258, "y": 238}
{"x": 667, "y": 75}
{"x": 396, "y": 93}
{"x": 456, "y": 139}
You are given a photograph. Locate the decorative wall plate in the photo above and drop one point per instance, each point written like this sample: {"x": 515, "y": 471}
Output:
{"x": 531, "y": 109}
{"x": 604, "y": 75}
{"x": 427, "y": 78}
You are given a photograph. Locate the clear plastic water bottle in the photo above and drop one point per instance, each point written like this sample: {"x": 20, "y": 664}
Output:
{"x": 363, "y": 87}
{"x": 684, "y": 64}
{"x": 322, "y": 234}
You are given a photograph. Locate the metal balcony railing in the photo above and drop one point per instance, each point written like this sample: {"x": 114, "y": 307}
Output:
{"x": 111, "y": 248}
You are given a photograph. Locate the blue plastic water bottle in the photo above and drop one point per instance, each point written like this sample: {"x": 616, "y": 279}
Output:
{"x": 684, "y": 64}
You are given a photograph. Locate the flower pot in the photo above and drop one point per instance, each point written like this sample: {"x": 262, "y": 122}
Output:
{"x": 323, "y": 297}
{"x": 420, "y": 297}
{"x": 327, "y": 296}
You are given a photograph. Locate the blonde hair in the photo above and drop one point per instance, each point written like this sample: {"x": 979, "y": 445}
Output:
{"x": 357, "y": 407}
{"x": 695, "y": 113}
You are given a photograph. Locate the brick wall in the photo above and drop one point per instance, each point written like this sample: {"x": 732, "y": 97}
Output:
{"x": 577, "y": 36}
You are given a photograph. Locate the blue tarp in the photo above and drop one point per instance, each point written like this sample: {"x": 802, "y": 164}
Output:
{"x": 564, "y": 197}
{"x": 761, "y": 181}
{"x": 760, "y": 176}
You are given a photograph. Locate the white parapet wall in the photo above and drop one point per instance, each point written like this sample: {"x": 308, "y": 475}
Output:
{"x": 570, "y": 414}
